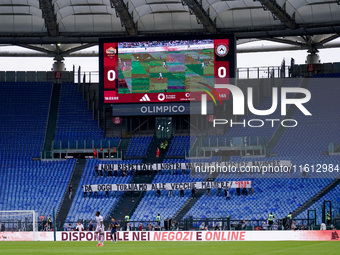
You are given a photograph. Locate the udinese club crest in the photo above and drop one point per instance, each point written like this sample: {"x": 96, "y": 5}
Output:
{"x": 111, "y": 52}
{"x": 221, "y": 50}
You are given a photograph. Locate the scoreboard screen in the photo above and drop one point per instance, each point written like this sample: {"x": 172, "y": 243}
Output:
{"x": 158, "y": 70}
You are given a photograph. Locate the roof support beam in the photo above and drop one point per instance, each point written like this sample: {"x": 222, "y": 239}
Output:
{"x": 328, "y": 39}
{"x": 125, "y": 16}
{"x": 78, "y": 48}
{"x": 201, "y": 15}
{"x": 254, "y": 49}
{"x": 50, "y": 17}
{"x": 35, "y": 48}
{"x": 279, "y": 40}
{"x": 279, "y": 13}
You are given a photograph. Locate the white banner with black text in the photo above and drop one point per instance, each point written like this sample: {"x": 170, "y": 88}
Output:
{"x": 166, "y": 186}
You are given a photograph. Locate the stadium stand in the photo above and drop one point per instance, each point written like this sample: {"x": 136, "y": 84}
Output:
{"x": 75, "y": 122}
{"x": 138, "y": 147}
{"x": 24, "y": 110}
{"x": 180, "y": 145}
{"x": 332, "y": 196}
{"x": 85, "y": 208}
{"x": 279, "y": 196}
{"x": 323, "y": 111}
{"x": 27, "y": 184}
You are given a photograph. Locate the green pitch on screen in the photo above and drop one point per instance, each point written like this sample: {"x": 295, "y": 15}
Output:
{"x": 140, "y": 72}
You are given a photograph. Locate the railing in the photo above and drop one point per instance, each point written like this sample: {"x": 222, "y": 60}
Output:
{"x": 186, "y": 224}
{"x": 242, "y": 73}
{"x": 262, "y": 72}
{"x": 195, "y": 223}
{"x": 222, "y": 141}
{"x": 85, "y": 144}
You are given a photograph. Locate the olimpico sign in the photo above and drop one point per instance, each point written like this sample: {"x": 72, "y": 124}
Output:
{"x": 151, "y": 109}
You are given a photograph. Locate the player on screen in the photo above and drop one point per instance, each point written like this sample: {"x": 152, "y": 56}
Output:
{"x": 164, "y": 64}
{"x": 203, "y": 65}
{"x": 99, "y": 233}
{"x": 160, "y": 76}
{"x": 113, "y": 227}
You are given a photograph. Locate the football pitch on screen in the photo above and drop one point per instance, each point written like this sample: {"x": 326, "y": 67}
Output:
{"x": 180, "y": 70}
{"x": 178, "y": 248}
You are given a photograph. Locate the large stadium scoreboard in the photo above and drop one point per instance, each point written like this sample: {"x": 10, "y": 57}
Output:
{"x": 165, "y": 70}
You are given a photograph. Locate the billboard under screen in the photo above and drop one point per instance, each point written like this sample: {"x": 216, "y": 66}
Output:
{"x": 164, "y": 70}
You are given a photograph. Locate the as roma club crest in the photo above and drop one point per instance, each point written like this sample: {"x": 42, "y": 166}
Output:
{"x": 111, "y": 52}
{"x": 221, "y": 50}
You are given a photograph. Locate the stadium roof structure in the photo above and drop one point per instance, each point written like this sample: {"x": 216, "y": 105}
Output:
{"x": 67, "y": 26}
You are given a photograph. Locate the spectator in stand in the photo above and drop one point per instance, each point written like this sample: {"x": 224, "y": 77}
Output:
{"x": 100, "y": 171}
{"x": 303, "y": 227}
{"x": 157, "y": 152}
{"x": 47, "y": 227}
{"x": 114, "y": 152}
{"x": 96, "y": 170}
{"x": 70, "y": 190}
{"x": 91, "y": 226}
{"x": 208, "y": 192}
{"x": 264, "y": 226}
{"x": 128, "y": 227}
{"x": 108, "y": 152}
{"x": 150, "y": 226}
{"x": 243, "y": 225}
{"x": 1, "y": 226}
{"x": 275, "y": 226}
{"x": 95, "y": 153}
{"x": 201, "y": 227}
{"x": 85, "y": 193}
{"x": 181, "y": 193}
{"x": 238, "y": 191}
{"x": 140, "y": 228}
{"x": 158, "y": 193}
{"x": 219, "y": 191}
{"x": 244, "y": 192}
{"x": 193, "y": 191}
{"x": 226, "y": 193}
{"x": 294, "y": 227}
{"x": 80, "y": 227}
{"x": 69, "y": 227}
